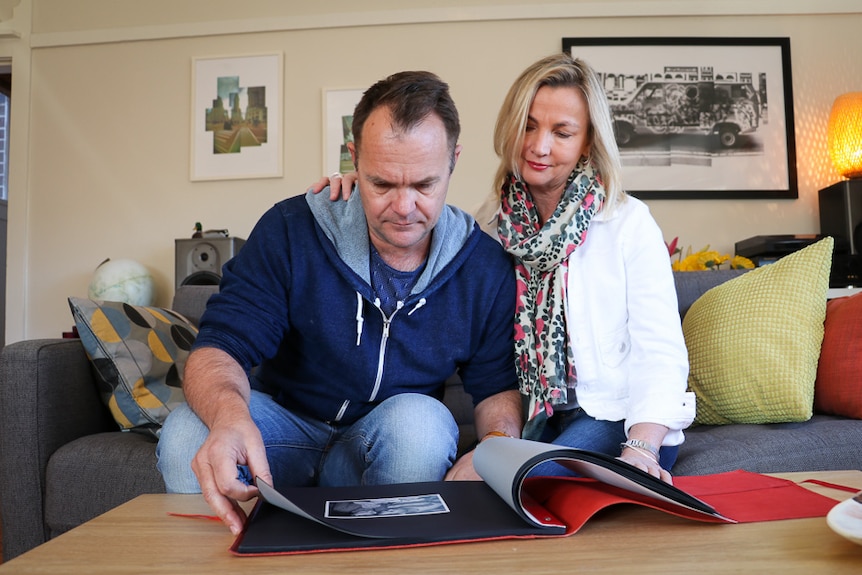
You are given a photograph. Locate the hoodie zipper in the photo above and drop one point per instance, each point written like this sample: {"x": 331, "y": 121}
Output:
{"x": 381, "y": 356}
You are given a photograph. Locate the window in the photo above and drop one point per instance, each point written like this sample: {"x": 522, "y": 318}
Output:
{"x": 4, "y": 146}
{"x": 5, "y": 105}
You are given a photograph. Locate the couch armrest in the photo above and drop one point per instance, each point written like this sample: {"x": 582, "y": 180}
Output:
{"x": 48, "y": 397}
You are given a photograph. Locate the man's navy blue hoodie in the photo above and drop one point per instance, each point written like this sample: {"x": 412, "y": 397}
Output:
{"x": 297, "y": 302}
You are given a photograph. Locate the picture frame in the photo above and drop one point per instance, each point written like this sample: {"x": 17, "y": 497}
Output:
{"x": 237, "y": 117}
{"x": 699, "y": 118}
{"x": 338, "y": 106}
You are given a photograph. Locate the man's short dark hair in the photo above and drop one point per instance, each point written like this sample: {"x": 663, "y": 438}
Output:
{"x": 411, "y": 97}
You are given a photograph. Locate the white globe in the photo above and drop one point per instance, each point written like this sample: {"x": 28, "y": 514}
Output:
{"x": 123, "y": 280}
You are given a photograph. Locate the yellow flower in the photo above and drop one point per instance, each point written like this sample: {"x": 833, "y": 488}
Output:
{"x": 741, "y": 263}
{"x": 711, "y": 259}
{"x": 707, "y": 259}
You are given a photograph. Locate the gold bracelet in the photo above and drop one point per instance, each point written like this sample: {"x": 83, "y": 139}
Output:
{"x": 494, "y": 433}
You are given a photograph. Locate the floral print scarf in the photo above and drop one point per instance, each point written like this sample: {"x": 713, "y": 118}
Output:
{"x": 544, "y": 358}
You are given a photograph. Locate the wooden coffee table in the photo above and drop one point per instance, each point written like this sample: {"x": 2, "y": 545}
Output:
{"x": 140, "y": 537}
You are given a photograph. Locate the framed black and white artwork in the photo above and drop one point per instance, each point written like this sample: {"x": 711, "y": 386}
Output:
{"x": 699, "y": 118}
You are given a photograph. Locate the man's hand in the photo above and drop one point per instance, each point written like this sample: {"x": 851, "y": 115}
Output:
{"x": 500, "y": 413}
{"x": 215, "y": 466}
{"x": 217, "y": 389}
{"x": 463, "y": 469}
{"x": 340, "y": 185}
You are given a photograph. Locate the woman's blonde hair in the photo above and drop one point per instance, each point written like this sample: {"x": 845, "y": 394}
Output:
{"x": 559, "y": 70}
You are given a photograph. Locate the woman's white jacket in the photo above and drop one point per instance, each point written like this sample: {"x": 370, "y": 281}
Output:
{"x": 624, "y": 325}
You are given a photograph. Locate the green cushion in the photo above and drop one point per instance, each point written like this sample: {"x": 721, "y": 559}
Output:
{"x": 754, "y": 341}
{"x": 138, "y": 354}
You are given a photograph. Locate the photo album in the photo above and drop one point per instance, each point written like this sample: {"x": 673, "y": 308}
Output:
{"x": 506, "y": 504}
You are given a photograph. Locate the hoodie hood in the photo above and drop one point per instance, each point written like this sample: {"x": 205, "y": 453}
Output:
{"x": 344, "y": 224}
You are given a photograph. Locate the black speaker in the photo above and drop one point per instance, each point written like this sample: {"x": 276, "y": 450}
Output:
{"x": 841, "y": 218}
{"x": 199, "y": 260}
{"x": 841, "y": 213}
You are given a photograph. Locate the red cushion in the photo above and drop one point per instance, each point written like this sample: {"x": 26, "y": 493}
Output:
{"x": 838, "y": 389}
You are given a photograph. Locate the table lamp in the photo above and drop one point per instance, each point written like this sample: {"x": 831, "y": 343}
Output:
{"x": 845, "y": 135}
{"x": 841, "y": 203}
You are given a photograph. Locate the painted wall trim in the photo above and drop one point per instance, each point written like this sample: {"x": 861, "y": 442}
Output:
{"x": 656, "y": 8}
{"x": 7, "y": 31}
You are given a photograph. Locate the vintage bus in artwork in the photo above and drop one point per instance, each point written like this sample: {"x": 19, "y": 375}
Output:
{"x": 724, "y": 109}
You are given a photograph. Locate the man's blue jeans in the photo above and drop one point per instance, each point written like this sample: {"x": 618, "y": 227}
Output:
{"x": 407, "y": 438}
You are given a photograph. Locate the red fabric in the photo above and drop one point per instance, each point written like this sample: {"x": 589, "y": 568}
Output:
{"x": 847, "y": 488}
{"x": 741, "y": 496}
{"x": 838, "y": 388}
{"x": 575, "y": 500}
{"x": 751, "y": 497}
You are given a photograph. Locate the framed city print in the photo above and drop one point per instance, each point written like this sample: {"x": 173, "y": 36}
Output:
{"x": 338, "y": 108}
{"x": 236, "y": 117}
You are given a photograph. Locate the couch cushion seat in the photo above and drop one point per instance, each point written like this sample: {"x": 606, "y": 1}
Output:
{"x": 93, "y": 474}
{"x": 771, "y": 448}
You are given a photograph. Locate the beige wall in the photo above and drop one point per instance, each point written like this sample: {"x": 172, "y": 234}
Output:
{"x": 101, "y": 116}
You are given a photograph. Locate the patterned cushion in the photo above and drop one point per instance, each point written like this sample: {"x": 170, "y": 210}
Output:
{"x": 838, "y": 389}
{"x": 754, "y": 341}
{"x": 138, "y": 354}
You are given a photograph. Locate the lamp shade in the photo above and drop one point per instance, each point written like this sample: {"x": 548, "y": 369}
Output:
{"x": 845, "y": 134}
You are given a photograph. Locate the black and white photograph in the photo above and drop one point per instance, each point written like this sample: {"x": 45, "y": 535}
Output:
{"x": 699, "y": 118}
{"x": 386, "y": 507}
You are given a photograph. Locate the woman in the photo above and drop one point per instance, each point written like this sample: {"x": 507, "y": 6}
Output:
{"x": 602, "y": 360}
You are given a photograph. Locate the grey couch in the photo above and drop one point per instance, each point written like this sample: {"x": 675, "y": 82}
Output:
{"x": 62, "y": 461}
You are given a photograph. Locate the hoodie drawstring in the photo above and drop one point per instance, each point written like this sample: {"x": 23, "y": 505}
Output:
{"x": 359, "y": 319}
{"x": 419, "y": 304}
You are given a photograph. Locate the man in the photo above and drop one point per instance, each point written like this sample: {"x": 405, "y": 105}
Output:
{"x": 355, "y": 314}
